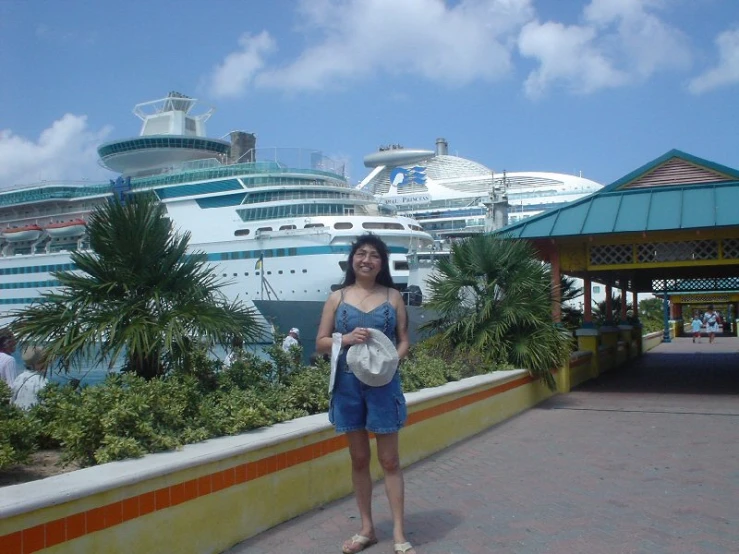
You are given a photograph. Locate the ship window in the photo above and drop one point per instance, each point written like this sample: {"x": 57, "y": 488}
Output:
{"x": 264, "y": 229}
{"x": 287, "y": 227}
{"x": 292, "y": 271}
{"x": 269, "y": 273}
{"x": 305, "y": 271}
{"x": 236, "y": 274}
{"x": 241, "y": 232}
{"x": 416, "y": 227}
{"x": 279, "y": 272}
{"x": 246, "y": 273}
{"x": 309, "y": 225}
{"x": 401, "y": 266}
{"x": 343, "y": 225}
{"x": 379, "y": 225}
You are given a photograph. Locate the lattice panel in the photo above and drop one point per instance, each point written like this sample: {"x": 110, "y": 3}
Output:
{"x": 611, "y": 254}
{"x": 695, "y": 285}
{"x": 677, "y": 251}
{"x": 730, "y": 248}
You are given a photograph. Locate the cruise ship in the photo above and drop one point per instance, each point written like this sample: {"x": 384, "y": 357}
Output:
{"x": 452, "y": 196}
{"x": 276, "y": 224}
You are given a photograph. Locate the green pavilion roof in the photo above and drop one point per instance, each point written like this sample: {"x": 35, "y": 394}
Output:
{"x": 675, "y": 191}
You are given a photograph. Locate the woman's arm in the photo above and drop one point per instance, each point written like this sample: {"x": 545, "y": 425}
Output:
{"x": 401, "y": 327}
{"x": 326, "y": 327}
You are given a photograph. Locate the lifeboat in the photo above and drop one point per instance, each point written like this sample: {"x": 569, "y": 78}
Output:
{"x": 27, "y": 232}
{"x": 70, "y": 228}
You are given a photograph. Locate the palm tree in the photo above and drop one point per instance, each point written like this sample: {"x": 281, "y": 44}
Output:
{"x": 138, "y": 295}
{"x": 494, "y": 297}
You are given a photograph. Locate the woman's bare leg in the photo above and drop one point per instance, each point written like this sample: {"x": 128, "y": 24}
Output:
{"x": 359, "y": 450}
{"x": 389, "y": 458}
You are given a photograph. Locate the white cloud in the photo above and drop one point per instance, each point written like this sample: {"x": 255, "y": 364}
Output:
{"x": 641, "y": 40}
{"x": 619, "y": 42}
{"x": 237, "y": 71}
{"x": 65, "y": 151}
{"x": 726, "y": 71}
{"x": 353, "y": 39}
{"x": 566, "y": 54}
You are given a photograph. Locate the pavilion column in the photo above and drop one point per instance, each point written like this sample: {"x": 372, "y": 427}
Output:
{"x": 609, "y": 305}
{"x": 587, "y": 315}
{"x": 625, "y": 333}
{"x": 636, "y": 332}
{"x": 635, "y": 302}
{"x": 624, "y": 317}
{"x": 556, "y": 284}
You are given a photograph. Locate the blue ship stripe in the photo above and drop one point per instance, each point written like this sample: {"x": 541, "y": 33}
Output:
{"x": 212, "y": 257}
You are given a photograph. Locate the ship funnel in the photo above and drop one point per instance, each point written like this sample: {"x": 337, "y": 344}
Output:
{"x": 442, "y": 147}
{"x": 243, "y": 147}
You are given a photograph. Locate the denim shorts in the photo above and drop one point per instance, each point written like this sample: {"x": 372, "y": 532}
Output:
{"x": 356, "y": 406}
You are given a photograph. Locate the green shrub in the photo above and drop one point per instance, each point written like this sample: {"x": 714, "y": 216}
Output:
{"x": 18, "y": 431}
{"x": 124, "y": 417}
{"x": 430, "y": 364}
{"x": 307, "y": 389}
{"x": 229, "y": 412}
{"x": 127, "y": 416}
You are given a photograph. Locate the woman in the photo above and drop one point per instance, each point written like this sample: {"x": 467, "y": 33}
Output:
{"x": 710, "y": 318}
{"x": 367, "y": 299}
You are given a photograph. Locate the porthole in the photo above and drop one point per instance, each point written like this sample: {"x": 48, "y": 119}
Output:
{"x": 292, "y": 271}
{"x": 305, "y": 271}
{"x": 269, "y": 273}
{"x": 236, "y": 274}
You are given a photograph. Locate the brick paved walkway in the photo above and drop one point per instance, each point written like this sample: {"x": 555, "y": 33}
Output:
{"x": 643, "y": 461}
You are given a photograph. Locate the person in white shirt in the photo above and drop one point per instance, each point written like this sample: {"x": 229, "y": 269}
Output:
{"x": 28, "y": 384}
{"x": 8, "y": 370}
{"x": 292, "y": 339}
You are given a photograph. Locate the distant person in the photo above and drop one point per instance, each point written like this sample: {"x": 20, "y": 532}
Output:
{"x": 711, "y": 319}
{"x": 292, "y": 339}
{"x": 28, "y": 384}
{"x": 237, "y": 346}
{"x": 696, "y": 325}
{"x": 8, "y": 371}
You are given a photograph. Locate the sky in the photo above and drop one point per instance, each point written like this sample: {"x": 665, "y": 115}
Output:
{"x": 591, "y": 87}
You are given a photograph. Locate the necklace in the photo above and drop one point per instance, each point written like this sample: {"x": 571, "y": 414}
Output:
{"x": 367, "y": 295}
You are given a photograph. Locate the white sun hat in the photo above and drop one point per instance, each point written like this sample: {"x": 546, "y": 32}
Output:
{"x": 373, "y": 362}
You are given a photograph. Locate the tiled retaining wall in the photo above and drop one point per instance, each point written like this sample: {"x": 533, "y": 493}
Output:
{"x": 212, "y": 495}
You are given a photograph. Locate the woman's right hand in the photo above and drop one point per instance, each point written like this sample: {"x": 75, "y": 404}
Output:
{"x": 357, "y": 336}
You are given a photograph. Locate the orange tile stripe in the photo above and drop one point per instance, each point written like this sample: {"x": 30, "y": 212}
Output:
{"x": 68, "y": 528}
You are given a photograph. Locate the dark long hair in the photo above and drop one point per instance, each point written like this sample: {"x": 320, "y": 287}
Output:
{"x": 368, "y": 239}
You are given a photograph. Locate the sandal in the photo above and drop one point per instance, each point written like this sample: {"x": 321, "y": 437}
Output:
{"x": 357, "y": 544}
{"x": 402, "y": 547}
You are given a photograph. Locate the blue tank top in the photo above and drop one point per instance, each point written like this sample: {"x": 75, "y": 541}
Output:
{"x": 349, "y": 317}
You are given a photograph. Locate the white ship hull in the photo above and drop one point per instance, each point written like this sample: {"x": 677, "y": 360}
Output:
{"x": 296, "y": 265}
